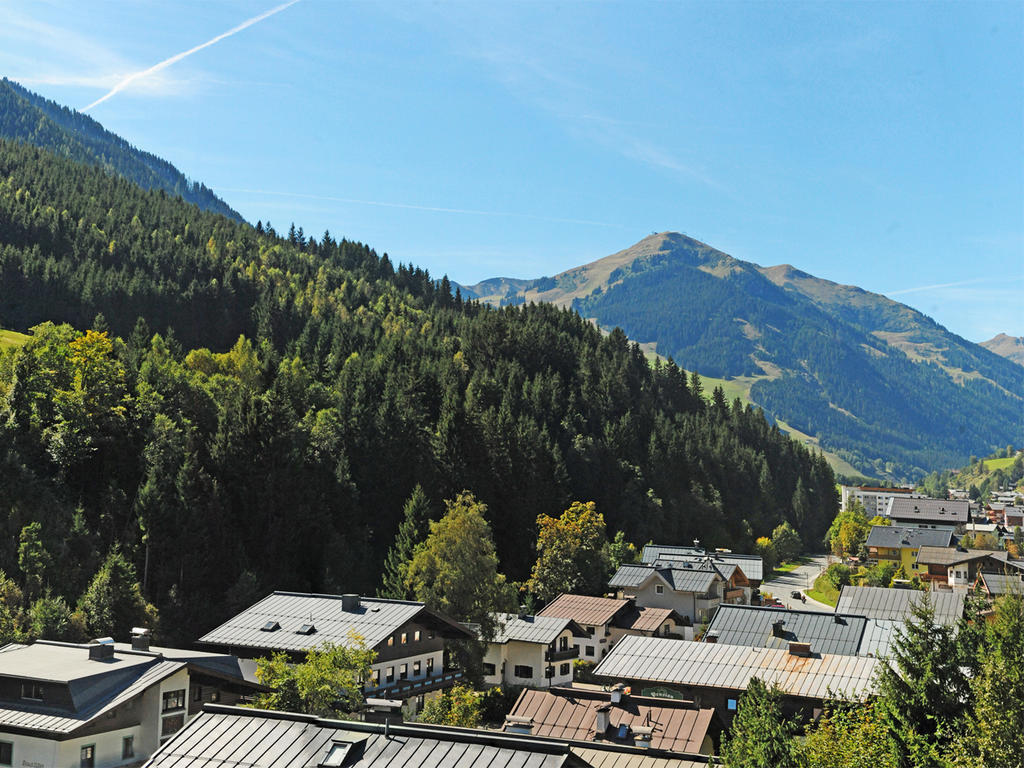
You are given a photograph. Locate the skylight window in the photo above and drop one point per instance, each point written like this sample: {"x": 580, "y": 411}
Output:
{"x": 270, "y": 626}
{"x": 336, "y": 755}
{"x": 306, "y": 629}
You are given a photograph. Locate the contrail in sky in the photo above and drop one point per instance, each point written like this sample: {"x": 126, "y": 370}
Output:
{"x": 179, "y": 56}
{"x": 409, "y": 206}
{"x": 939, "y": 285}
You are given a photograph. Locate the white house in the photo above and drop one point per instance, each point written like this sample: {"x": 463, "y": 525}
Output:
{"x": 535, "y": 651}
{"x": 102, "y": 704}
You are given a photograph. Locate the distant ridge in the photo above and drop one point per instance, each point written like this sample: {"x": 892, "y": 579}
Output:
{"x": 28, "y": 117}
{"x": 873, "y": 381}
{"x": 1010, "y": 347}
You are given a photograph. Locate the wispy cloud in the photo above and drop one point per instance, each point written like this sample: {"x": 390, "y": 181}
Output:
{"x": 957, "y": 284}
{"x": 413, "y": 207}
{"x": 145, "y": 73}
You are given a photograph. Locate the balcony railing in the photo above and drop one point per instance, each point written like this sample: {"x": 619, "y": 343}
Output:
{"x": 568, "y": 653}
{"x": 403, "y": 689}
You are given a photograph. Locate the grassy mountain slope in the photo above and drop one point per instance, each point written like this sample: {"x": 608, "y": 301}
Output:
{"x": 26, "y": 116}
{"x": 874, "y": 381}
{"x": 1010, "y": 347}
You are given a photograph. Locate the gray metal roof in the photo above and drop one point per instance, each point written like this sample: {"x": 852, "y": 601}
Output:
{"x": 105, "y": 699}
{"x": 597, "y": 757}
{"x": 1003, "y": 583}
{"x": 878, "y": 638}
{"x": 531, "y": 629}
{"x": 895, "y": 604}
{"x": 900, "y": 536}
{"x": 937, "y": 511}
{"x": 679, "y": 579}
{"x": 955, "y": 555}
{"x": 707, "y": 665}
{"x": 228, "y": 737}
{"x": 754, "y": 626}
{"x": 373, "y": 620}
{"x": 664, "y": 554}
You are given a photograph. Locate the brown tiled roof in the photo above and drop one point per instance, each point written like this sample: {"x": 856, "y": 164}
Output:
{"x": 571, "y": 714}
{"x": 584, "y": 609}
{"x": 648, "y": 619}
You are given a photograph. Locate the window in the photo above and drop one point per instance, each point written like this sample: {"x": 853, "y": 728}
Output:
{"x": 215, "y": 696}
{"x": 730, "y": 704}
{"x": 32, "y": 691}
{"x": 197, "y": 693}
{"x": 390, "y": 677}
{"x": 430, "y": 665}
{"x": 416, "y": 636}
{"x": 375, "y": 677}
{"x": 173, "y": 724}
{"x": 417, "y": 668}
{"x": 489, "y": 669}
{"x": 405, "y": 638}
{"x": 563, "y": 670}
{"x": 336, "y": 754}
{"x": 391, "y": 641}
{"x": 549, "y": 671}
{"x": 563, "y": 643}
{"x": 667, "y": 629}
{"x": 589, "y": 650}
{"x": 659, "y": 589}
{"x": 6, "y": 753}
{"x": 403, "y": 672}
{"x": 127, "y": 747}
{"x": 87, "y": 757}
{"x": 523, "y": 671}
{"x": 174, "y": 700}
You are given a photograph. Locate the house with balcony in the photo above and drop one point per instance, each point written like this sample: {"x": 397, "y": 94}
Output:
{"x": 899, "y": 544}
{"x": 408, "y": 638}
{"x": 105, "y": 704}
{"x": 693, "y": 589}
{"x": 668, "y": 555}
{"x": 956, "y": 567}
{"x": 929, "y": 513}
{"x": 605, "y": 620}
{"x": 534, "y": 651}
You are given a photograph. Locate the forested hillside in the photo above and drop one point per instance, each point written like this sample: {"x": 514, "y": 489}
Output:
{"x": 26, "y": 116}
{"x": 225, "y": 466}
{"x": 879, "y": 384}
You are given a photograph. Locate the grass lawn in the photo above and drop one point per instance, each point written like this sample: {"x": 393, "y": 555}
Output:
{"x": 787, "y": 567}
{"x": 993, "y": 464}
{"x": 823, "y": 591}
{"x": 11, "y": 339}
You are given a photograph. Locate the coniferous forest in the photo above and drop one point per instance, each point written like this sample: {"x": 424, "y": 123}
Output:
{"x": 235, "y": 410}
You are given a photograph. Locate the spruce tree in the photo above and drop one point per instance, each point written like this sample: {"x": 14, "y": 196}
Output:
{"x": 413, "y": 529}
{"x": 923, "y": 691}
{"x": 759, "y": 737}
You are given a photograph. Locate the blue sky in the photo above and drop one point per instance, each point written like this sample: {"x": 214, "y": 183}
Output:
{"x": 877, "y": 144}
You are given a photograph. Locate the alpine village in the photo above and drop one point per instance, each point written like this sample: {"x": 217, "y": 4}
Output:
{"x": 273, "y": 500}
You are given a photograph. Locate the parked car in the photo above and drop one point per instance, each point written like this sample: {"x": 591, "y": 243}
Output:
{"x": 795, "y": 594}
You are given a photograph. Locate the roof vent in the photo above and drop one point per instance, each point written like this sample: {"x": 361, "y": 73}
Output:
{"x": 799, "y": 649}
{"x": 516, "y": 724}
{"x": 349, "y": 602}
{"x": 777, "y": 630}
{"x": 101, "y": 649}
{"x": 306, "y": 629}
{"x": 711, "y": 637}
{"x": 140, "y": 639}
{"x": 270, "y": 626}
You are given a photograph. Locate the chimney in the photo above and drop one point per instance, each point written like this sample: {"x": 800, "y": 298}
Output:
{"x": 349, "y": 602}
{"x": 603, "y": 720}
{"x": 140, "y": 639}
{"x": 619, "y": 692}
{"x": 101, "y": 649}
{"x": 642, "y": 735}
{"x": 799, "y": 649}
{"x": 777, "y": 630}
{"x": 516, "y": 724}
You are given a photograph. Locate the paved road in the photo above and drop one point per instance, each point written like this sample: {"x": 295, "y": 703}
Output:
{"x": 799, "y": 579}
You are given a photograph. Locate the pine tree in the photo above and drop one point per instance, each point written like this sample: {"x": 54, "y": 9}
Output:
{"x": 759, "y": 737}
{"x": 923, "y": 691}
{"x": 413, "y": 529}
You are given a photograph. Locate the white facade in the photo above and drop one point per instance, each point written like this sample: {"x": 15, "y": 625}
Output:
{"x": 414, "y": 667}
{"x": 874, "y": 500}
{"x": 518, "y": 662}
